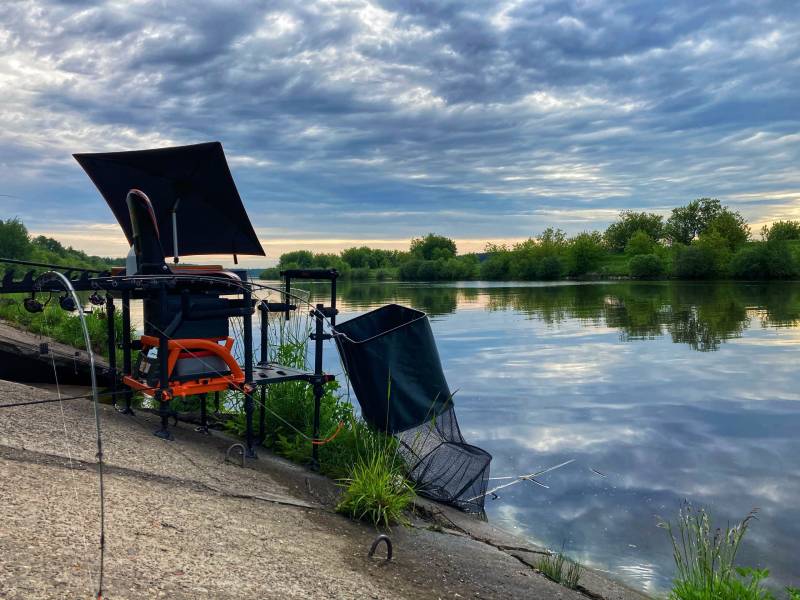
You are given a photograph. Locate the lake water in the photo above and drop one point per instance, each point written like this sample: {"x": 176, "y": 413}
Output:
{"x": 672, "y": 391}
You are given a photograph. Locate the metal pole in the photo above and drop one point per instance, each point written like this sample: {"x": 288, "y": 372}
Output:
{"x": 126, "y": 348}
{"x": 318, "y": 389}
{"x": 287, "y": 298}
{"x": 264, "y": 359}
{"x": 248, "y": 374}
{"x": 163, "y": 366}
{"x": 333, "y": 298}
{"x": 112, "y": 346}
{"x": 203, "y": 415}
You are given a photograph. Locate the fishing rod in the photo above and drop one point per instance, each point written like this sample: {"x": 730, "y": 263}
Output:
{"x": 63, "y": 280}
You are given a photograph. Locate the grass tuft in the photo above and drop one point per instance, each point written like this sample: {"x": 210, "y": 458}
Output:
{"x": 560, "y": 569}
{"x": 377, "y": 490}
{"x": 705, "y": 560}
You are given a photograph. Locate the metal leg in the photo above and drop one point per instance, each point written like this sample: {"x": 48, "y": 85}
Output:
{"x": 248, "y": 436}
{"x": 163, "y": 371}
{"x": 203, "y": 415}
{"x": 216, "y": 403}
{"x": 262, "y": 416}
{"x": 163, "y": 432}
{"x": 112, "y": 347}
{"x": 318, "y": 389}
{"x": 248, "y": 374}
{"x": 126, "y": 349}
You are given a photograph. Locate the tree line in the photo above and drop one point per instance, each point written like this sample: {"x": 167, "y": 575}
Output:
{"x": 702, "y": 240}
{"x": 17, "y": 243}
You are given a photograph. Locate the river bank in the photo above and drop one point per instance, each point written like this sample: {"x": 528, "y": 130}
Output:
{"x": 183, "y": 523}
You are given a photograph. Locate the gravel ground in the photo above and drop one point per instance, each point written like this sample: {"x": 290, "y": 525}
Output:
{"x": 182, "y": 523}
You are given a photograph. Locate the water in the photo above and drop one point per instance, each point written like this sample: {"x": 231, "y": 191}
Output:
{"x": 673, "y": 391}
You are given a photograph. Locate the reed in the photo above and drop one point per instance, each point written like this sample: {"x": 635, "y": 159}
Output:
{"x": 560, "y": 569}
{"x": 705, "y": 560}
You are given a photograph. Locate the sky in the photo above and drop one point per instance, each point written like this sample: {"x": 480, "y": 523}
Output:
{"x": 370, "y": 122}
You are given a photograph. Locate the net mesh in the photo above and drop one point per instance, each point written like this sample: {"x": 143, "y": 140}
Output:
{"x": 392, "y": 362}
{"x": 443, "y": 465}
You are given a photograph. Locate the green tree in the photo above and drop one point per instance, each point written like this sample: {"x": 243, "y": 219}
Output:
{"x": 432, "y": 247}
{"x": 688, "y": 222}
{"x": 707, "y": 257}
{"x": 14, "y": 241}
{"x": 584, "y": 253}
{"x": 640, "y": 243}
{"x": 732, "y": 227}
{"x": 495, "y": 266}
{"x": 551, "y": 267}
{"x": 782, "y": 230}
{"x": 552, "y": 241}
{"x": 772, "y": 259}
{"x": 49, "y": 244}
{"x": 298, "y": 259}
{"x": 646, "y": 266}
{"x": 629, "y": 222}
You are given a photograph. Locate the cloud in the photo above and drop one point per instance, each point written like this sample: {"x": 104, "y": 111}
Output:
{"x": 493, "y": 120}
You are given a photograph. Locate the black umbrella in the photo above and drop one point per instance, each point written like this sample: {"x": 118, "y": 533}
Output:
{"x": 193, "y": 182}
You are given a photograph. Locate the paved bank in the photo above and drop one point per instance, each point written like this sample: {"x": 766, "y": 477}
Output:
{"x": 182, "y": 523}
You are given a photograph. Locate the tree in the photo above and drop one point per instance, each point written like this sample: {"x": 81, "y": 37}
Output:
{"x": 551, "y": 268}
{"x": 706, "y": 258}
{"x": 765, "y": 260}
{"x": 584, "y": 253}
{"x": 299, "y": 259}
{"x": 552, "y": 240}
{"x": 782, "y": 230}
{"x": 688, "y": 222}
{"x": 432, "y": 247}
{"x": 629, "y": 222}
{"x": 640, "y": 243}
{"x": 14, "y": 241}
{"x": 496, "y": 264}
{"x": 646, "y": 266}
{"x": 732, "y": 227}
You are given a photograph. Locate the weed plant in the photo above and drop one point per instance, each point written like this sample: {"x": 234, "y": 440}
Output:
{"x": 705, "y": 560}
{"x": 376, "y": 490}
{"x": 560, "y": 569}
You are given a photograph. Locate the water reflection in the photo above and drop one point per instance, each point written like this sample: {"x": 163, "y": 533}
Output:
{"x": 673, "y": 391}
{"x": 700, "y": 315}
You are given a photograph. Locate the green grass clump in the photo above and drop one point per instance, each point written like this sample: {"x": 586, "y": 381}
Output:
{"x": 705, "y": 560}
{"x": 376, "y": 489}
{"x": 560, "y": 569}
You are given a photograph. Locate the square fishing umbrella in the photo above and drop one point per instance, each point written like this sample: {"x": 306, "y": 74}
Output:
{"x": 197, "y": 207}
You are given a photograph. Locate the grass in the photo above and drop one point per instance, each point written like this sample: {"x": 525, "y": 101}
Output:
{"x": 377, "y": 490}
{"x": 705, "y": 560}
{"x": 63, "y": 326}
{"x": 560, "y": 569}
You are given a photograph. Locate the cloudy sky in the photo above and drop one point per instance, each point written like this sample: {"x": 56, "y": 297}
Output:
{"x": 355, "y": 121}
